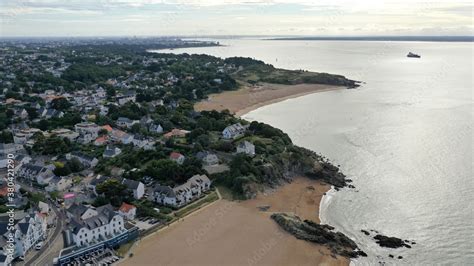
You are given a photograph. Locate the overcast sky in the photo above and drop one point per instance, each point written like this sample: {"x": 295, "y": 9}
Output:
{"x": 234, "y": 17}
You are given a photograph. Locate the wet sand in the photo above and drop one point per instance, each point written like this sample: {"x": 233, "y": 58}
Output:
{"x": 249, "y": 97}
{"x": 238, "y": 233}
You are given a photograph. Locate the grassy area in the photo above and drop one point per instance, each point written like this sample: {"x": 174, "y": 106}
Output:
{"x": 267, "y": 73}
{"x": 226, "y": 193}
{"x": 123, "y": 249}
{"x": 196, "y": 205}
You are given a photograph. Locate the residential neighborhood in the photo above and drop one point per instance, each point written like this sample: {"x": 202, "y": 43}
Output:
{"x": 115, "y": 148}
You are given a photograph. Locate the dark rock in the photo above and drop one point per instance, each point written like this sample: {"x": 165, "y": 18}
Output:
{"x": 365, "y": 232}
{"x": 390, "y": 242}
{"x": 400, "y": 257}
{"x": 413, "y": 242}
{"x": 323, "y": 234}
{"x": 391, "y": 256}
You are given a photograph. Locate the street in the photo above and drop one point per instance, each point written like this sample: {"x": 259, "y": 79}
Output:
{"x": 53, "y": 245}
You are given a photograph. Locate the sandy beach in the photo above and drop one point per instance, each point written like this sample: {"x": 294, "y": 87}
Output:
{"x": 249, "y": 97}
{"x": 238, "y": 233}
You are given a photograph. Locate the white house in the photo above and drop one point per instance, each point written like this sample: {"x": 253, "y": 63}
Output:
{"x": 80, "y": 212}
{"x": 126, "y": 122}
{"x": 136, "y": 187}
{"x": 59, "y": 183}
{"x": 121, "y": 136}
{"x": 88, "y": 132}
{"x": 6, "y": 148}
{"x": 40, "y": 174}
{"x": 155, "y": 128}
{"x": 233, "y": 131}
{"x": 111, "y": 151}
{"x": 177, "y": 157}
{"x": 105, "y": 224}
{"x": 207, "y": 158}
{"x": 27, "y": 232}
{"x": 182, "y": 194}
{"x": 87, "y": 161}
{"x": 128, "y": 211}
{"x": 246, "y": 147}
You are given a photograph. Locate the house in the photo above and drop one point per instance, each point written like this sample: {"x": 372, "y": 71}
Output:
{"x": 177, "y": 157}
{"x": 59, "y": 183}
{"x": 65, "y": 133}
{"x": 38, "y": 173}
{"x": 126, "y": 122}
{"x": 233, "y": 131}
{"x": 43, "y": 207}
{"x": 143, "y": 142}
{"x": 111, "y": 151}
{"x": 176, "y": 197}
{"x": 19, "y": 161}
{"x": 106, "y": 223}
{"x": 95, "y": 181}
{"x": 27, "y": 232}
{"x": 180, "y": 133}
{"x": 127, "y": 211}
{"x": 207, "y": 158}
{"x": 155, "y": 128}
{"x": 86, "y": 160}
{"x": 121, "y": 136}
{"x": 10, "y": 148}
{"x": 102, "y": 140}
{"x": 182, "y": 194}
{"x": 246, "y": 147}
{"x": 88, "y": 132}
{"x": 136, "y": 187}
{"x": 23, "y": 135}
{"x": 199, "y": 184}
{"x": 129, "y": 96}
{"x": 80, "y": 211}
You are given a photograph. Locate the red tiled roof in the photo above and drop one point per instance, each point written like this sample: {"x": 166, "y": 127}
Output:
{"x": 126, "y": 207}
{"x": 107, "y": 127}
{"x": 175, "y": 155}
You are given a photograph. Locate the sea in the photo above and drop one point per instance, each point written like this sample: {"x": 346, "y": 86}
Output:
{"x": 405, "y": 138}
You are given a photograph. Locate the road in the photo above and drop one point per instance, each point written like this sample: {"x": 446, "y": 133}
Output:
{"x": 52, "y": 245}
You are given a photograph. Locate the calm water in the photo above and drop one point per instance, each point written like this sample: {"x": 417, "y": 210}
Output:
{"x": 405, "y": 138}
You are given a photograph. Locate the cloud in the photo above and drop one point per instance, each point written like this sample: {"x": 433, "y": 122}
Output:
{"x": 308, "y": 17}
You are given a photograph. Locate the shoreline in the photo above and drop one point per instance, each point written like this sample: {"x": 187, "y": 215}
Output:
{"x": 240, "y": 233}
{"x": 249, "y": 98}
{"x": 214, "y": 228}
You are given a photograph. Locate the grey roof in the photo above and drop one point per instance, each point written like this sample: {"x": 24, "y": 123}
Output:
{"x": 82, "y": 156}
{"x": 98, "y": 180}
{"x": 77, "y": 209}
{"x": 131, "y": 184}
{"x": 23, "y": 227}
{"x": 104, "y": 215}
{"x": 124, "y": 120}
{"x": 165, "y": 190}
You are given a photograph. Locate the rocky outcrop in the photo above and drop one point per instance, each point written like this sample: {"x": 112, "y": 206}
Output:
{"x": 391, "y": 242}
{"x": 310, "y": 231}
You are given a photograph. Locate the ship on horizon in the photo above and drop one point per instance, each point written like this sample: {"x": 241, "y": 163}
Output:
{"x": 410, "y": 54}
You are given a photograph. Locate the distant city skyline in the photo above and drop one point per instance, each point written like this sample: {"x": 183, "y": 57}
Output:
{"x": 234, "y": 17}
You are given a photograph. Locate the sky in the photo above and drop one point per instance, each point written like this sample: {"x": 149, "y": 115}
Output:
{"x": 235, "y": 17}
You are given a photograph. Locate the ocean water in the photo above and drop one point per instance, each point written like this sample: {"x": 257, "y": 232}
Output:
{"x": 405, "y": 137}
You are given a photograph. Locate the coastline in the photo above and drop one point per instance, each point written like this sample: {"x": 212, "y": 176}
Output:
{"x": 214, "y": 228}
{"x": 249, "y": 98}
{"x": 239, "y": 233}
